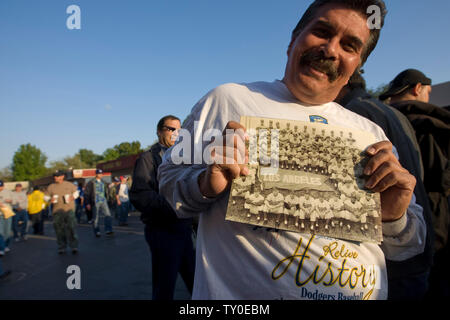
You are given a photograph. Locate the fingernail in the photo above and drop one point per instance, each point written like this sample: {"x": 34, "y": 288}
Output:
{"x": 371, "y": 150}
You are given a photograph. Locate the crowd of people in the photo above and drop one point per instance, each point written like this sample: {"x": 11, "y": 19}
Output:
{"x": 408, "y": 166}
{"x": 65, "y": 204}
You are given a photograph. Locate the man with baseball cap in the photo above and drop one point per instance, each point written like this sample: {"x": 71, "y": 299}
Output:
{"x": 409, "y": 94}
{"x": 408, "y": 279}
{"x": 410, "y": 84}
{"x": 62, "y": 195}
{"x": 96, "y": 199}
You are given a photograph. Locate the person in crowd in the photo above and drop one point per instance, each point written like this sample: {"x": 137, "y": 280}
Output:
{"x": 20, "y": 220}
{"x": 89, "y": 212}
{"x": 235, "y": 261}
{"x": 112, "y": 196}
{"x": 409, "y": 93}
{"x": 6, "y": 218}
{"x": 123, "y": 201}
{"x": 407, "y": 279}
{"x": 36, "y": 205}
{"x": 96, "y": 200}
{"x": 62, "y": 195}
{"x": 79, "y": 202}
{"x": 168, "y": 237}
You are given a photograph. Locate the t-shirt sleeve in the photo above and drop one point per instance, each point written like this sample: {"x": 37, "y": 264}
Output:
{"x": 184, "y": 162}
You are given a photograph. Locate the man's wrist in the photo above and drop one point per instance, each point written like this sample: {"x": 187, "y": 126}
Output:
{"x": 394, "y": 227}
{"x": 393, "y": 218}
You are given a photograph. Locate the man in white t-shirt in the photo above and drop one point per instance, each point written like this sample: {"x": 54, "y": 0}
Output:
{"x": 238, "y": 261}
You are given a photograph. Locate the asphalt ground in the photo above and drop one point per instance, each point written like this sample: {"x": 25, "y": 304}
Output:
{"x": 114, "y": 267}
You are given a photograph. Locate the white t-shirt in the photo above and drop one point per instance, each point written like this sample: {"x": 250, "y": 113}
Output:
{"x": 6, "y": 195}
{"x": 238, "y": 261}
{"x": 123, "y": 193}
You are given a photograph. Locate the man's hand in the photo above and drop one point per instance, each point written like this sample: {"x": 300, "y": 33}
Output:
{"x": 230, "y": 161}
{"x": 387, "y": 176}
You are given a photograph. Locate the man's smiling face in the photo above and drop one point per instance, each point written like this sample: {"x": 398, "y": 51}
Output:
{"x": 323, "y": 56}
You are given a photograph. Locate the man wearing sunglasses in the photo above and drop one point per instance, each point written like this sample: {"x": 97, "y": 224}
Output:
{"x": 168, "y": 237}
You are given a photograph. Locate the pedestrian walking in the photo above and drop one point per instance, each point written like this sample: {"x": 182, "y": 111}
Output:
{"x": 96, "y": 199}
{"x": 62, "y": 195}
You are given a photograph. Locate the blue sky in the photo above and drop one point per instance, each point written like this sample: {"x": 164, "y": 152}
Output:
{"x": 135, "y": 61}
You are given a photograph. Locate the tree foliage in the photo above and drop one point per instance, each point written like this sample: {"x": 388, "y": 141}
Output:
{"x": 6, "y": 174}
{"x": 28, "y": 163}
{"x": 89, "y": 158}
{"x": 121, "y": 150}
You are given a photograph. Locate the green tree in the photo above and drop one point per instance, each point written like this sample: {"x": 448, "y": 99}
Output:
{"x": 127, "y": 148}
{"x": 121, "y": 150}
{"x": 6, "y": 174}
{"x": 110, "y": 154}
{"x": 57, "y": 165}
{"x": 89, "y": 158}
{"x": 28, "y": 163}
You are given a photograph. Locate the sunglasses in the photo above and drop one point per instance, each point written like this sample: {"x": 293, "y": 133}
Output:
{"x": 171, "y": 129}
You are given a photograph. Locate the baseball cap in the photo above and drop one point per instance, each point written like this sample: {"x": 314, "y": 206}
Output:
{"x": 403, "y": 81}
{"x": 98, "y": 171}
{"x": 1, "y": 183}
{"x": 116, "y": 179}
{"x": 58, "y": 173}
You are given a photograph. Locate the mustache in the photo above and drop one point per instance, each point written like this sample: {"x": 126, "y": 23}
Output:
{"x": 318, "y": 61}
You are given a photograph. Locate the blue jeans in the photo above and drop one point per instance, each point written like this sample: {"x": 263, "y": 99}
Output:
{"x": 102, "y": 207}
{"x": 21, "y": 215}
{"x": 123, "y": 210}
{"x": 5, "y": 232}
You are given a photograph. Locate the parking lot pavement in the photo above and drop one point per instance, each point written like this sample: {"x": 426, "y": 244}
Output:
{"x": 110, "y": 267}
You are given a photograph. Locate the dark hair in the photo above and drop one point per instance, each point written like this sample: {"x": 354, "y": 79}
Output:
{"x": 357, "y": 5}
{"x": 356, "y": 81}
{"x": 163, "y": 120}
